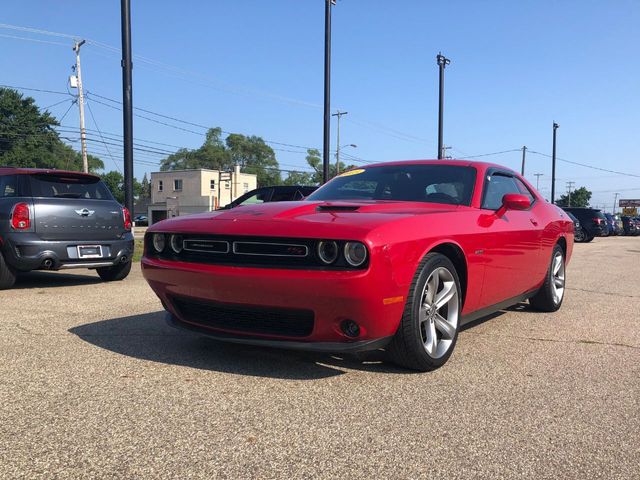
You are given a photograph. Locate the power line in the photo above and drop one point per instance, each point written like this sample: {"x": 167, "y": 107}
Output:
{"x": 35, "y": 89}
{"x": 490, "y": 154}
{"x": 105, "y": 144}
{"x": 36, "y": 40}
{"x": 586, "y": 165}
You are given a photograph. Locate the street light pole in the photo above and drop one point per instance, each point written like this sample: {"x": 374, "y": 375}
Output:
{"x": 127, "y": 103}
{"x": 442, "y": 63}
{"x": 615, "y": 200}
{"x": 327, "y": 89}
{"x": 553, "y": 164}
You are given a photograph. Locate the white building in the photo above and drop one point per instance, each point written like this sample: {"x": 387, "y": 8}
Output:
{"x": 183, "y": 192}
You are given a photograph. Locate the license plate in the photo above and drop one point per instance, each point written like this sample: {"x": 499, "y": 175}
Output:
{"x": 89, "y": 251}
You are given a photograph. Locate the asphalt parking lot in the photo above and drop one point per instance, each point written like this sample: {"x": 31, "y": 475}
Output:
{"x": 95, "y": 385}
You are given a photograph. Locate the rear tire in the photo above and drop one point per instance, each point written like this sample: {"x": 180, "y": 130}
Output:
{"x": 429, "y": 326}
{"x": 549, "y": 297}
{"x": 579, "y": 235}
{"x": 7, "y": 274}
{"x": 588, "y": 238}
{"x": 115, "y": 273}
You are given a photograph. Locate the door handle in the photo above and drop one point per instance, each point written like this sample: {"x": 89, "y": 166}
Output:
{"x": 534, "y": 221}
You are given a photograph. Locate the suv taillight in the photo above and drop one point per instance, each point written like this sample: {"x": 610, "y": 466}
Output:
{"x": 127, "y": 218}
{"x": 21, "y": 216}
{"x": 597, "y": 220}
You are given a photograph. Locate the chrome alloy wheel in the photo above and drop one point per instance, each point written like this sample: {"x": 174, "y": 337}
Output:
{"x": 439, "y": 312}
{"x": 557, "y": 273}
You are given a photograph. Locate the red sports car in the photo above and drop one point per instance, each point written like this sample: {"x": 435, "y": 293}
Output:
{"x": 396, "y": 255}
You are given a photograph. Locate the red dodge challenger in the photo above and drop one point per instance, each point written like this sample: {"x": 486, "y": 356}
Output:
{"x": 396, "y": 255}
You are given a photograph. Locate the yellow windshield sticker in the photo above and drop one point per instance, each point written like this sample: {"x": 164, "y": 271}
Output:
{"x": 352, "y": 172}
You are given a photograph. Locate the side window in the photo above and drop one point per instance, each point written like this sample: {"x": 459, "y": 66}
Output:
{"x": 282, "y": 196}
{"x": 522, "y": 188}
{"x": 8, "y": 186}
{"x": 259, "y": 197}
{"x": 496, "y": 187}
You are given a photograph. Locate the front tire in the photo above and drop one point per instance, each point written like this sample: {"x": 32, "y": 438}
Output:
{"x": 7, "y": 274}
{"x": 428, "y": 330}
{"x": 115, "y": 273}
{"x": 549, "y": 297}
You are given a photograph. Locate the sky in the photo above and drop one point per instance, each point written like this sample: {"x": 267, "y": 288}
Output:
{"x": 256, "y": 67}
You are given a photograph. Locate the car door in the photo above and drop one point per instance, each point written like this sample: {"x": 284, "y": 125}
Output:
{"x": 512, "y": 241}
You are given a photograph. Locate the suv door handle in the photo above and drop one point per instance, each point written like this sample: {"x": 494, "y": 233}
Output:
{"x": 534, "y": 221}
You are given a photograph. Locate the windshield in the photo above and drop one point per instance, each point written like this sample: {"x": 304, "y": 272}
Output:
{"x": 448, "y": 184}
{"x": 68, "y": 186}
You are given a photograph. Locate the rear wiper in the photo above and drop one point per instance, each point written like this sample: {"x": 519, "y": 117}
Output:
{"x": 68, "y": 195}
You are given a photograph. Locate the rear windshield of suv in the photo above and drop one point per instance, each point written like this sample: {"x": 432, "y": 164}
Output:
{"x": 68, "y": 186}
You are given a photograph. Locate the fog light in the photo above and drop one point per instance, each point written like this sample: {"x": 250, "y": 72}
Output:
{"x": 159, "y": 242}
{"x": 350, "y": 328}
{"x": 355, "y": 253}
{"x": 176, "y": 243}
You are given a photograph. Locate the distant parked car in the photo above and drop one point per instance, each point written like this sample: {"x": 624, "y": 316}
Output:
{"x": 618, "y": 220}
{"x": 280, "y": 193}
{"x": 579, "y": 234}
{"x": 141, "y": 220}
{"x": 593, "y": 223}
{"x": 630, "y": 225}
{"x": 52, "y": 220}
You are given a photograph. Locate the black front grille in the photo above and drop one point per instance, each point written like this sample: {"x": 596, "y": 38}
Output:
{"x": 257, "y": 320}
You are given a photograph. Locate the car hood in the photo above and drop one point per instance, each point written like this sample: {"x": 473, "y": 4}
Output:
{"x": 344, "y": 219}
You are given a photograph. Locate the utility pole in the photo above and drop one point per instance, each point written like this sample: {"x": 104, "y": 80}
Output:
{"x": 442, "y": 63}
{"x": 538, "y": 175}
{"x": 338, "y": 114}
{"x": 327, "y": 89}
{"x": 127, "y": 103}
{"x": 553, "y": 165}
{"x": 569, "y": 187}
{"x": 524, "y": 151}
{"x": 83, "y": 133}
{"x": 615, "y": 200}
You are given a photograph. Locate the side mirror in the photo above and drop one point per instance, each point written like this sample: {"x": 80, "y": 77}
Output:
{"x": 513, "y": 201}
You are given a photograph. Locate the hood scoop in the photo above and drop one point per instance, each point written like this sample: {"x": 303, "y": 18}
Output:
{"x": 337, "y": 208}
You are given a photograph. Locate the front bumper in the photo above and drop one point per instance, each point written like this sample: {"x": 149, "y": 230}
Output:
{"x": 370, "y": 298}
{"x": 320, "y": 347}
{"x": 26, "y": 252}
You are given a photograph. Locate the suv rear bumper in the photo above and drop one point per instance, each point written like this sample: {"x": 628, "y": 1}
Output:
{"x": 26, "y": 251}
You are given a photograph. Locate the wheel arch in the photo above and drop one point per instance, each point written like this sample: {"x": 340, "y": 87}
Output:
{"x": 563, "y": 244}
{"x": 455, "y": 253}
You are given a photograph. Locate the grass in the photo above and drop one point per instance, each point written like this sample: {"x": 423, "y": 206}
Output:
{"x": 137, "y": 250}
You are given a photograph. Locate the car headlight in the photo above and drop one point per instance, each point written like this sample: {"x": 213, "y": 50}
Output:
{"x": 158, "y": 242}
{"x": 355, "y": 253}
{"x": 328, "y": 251}
{"x": 176, "y": 243}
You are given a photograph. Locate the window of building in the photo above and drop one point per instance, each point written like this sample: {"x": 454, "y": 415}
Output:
{"x": 245, "y": 187}
{"x": 160, "y": 185}
{"x": 177, "y": 185}
{"x": 227, "y": 185}
{"x": 212, "y": 184}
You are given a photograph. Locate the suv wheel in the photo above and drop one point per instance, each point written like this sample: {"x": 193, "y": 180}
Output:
{"x": 115, "y": 273}
{"x": 7, "y": 274}
{"x": 579, "y": 235}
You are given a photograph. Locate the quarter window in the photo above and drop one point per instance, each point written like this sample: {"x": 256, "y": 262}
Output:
{"x": 497, "y": 186}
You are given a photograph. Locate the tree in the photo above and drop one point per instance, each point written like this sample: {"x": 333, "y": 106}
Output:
{"x": 299, "y": 178}
{"x": 115, "y": 181}
{"x": 579, "y": 198}
{"x": 28, "y": 138}
{"x": 314, "y": 160}
{"x": 145, "y": 187}
{"x": 251, "y": 153}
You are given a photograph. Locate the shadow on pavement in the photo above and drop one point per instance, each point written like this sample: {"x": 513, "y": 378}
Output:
{"x": 148, "y": 337}
{"x": 39, "y": 279}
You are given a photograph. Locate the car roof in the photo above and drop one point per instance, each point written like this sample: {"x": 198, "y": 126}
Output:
{"x": 32, "y": 171}
{"x": 452, "y": 162}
